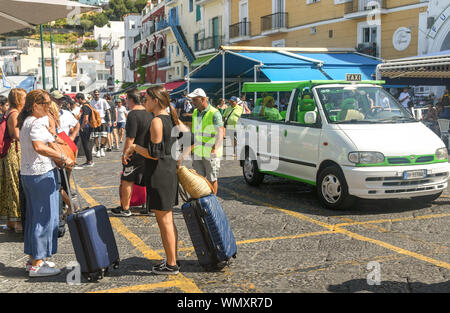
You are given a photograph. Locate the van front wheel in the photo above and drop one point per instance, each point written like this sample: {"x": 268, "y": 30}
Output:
{"x": 332, "y": 189}
{"x": 251, "y": 172}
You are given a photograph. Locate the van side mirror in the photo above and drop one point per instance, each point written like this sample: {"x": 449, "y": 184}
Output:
{"x": 311, "y": 117}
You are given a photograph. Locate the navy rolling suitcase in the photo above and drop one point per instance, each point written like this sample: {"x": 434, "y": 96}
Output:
{"x": 93, "y": 241}
{"x": 210, "y": 232}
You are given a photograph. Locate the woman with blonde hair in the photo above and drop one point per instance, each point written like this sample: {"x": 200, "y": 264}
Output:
{"x": 161, "y": 173}
{"x": 39, "y": 176}
{"x": 10, "y": 164}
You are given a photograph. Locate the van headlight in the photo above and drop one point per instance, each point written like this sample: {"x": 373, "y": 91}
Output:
{"x": 366, "y": 157}
{"x": 441, "y": 154}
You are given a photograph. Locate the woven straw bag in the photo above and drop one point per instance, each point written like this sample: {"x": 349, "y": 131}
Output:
{"x": 196, "y": 185}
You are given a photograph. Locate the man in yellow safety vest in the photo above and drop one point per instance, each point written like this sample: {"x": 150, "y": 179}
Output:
{"x": 207, "y": 133}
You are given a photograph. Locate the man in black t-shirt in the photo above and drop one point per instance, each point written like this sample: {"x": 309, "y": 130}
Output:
{"x": 85, "y": 130}
{"x": 137, "y": 132}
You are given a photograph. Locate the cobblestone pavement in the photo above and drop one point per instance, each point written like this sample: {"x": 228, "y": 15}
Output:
{"x": 286, "y": 243}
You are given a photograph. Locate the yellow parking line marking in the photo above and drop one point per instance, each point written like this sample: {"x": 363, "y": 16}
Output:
{"x": 402, "y": 219}
{"x": 343, "y": 231}
{"x": 185, "y": 284}
{"x": 100, "y": 187}
{"x": 256, "y": 240}
{"x": 137, "y": 288}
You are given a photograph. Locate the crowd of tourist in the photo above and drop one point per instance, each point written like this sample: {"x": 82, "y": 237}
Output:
{"x": 32, "y": 181}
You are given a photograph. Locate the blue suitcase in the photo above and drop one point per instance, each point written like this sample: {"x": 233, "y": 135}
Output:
{"x": 210, "y": 232}
{"x": 93, "y": 241}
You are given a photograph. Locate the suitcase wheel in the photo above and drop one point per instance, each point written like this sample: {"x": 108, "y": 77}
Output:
{"x": 101, "y": 273}
{"x": 116, "y": 265}
{"x": 92, "y": 277}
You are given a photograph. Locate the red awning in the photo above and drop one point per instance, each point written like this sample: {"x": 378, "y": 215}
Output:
{"x": 174, "y": 85}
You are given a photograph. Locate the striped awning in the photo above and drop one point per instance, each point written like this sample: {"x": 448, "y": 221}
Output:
{"x": 428, "y": 66}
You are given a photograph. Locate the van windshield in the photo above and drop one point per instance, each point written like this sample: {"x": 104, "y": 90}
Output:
{"x": 361, "y": 105}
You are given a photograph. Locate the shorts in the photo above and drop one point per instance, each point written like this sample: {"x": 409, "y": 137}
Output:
{"x": 101, "y": 131}
{"x": 208, "y": 168}
{"x": 109, "y": 129}
{"x": 134, "y": 173}
{"x": 120, "y": 125}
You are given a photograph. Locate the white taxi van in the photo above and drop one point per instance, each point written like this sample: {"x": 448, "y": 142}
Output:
{"x": 350, "y": 140}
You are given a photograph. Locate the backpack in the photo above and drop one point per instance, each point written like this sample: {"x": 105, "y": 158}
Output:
{"x": 94, "y": 120}
{"x": 5, "y": 139}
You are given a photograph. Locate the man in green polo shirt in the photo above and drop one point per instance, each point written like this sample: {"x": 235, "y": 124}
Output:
{"x": 207, "y": 135}
{"x": 230, "y": 119}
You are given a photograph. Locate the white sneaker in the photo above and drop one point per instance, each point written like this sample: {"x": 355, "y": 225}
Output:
{"x": 98, "y": 155}
{"x": 102, "y": 152}
{"x": 43, "y": 270}
{"x": 29, "y": 265}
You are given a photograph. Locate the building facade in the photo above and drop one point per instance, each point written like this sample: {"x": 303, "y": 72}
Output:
{"x": 176, "y": 36}
{"x": 132, "y": 24}
{"x": 388, "y": 29}
{"x": 111, "y": 38}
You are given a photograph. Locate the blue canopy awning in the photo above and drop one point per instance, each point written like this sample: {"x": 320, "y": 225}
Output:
{"x": 265, "y": 66}
{"x": 277, "y": 73}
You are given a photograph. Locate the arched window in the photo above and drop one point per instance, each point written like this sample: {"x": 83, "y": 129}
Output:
{"x": 138, "y": 53}
{"x": 159, "y": 44}
{"x": 151, "y": 49}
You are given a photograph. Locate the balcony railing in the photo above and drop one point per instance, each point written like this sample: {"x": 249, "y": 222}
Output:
{"x": 163, "y": 62}
{"x": 213, "y": 42}
{"x": 161, "y": 25}
{"x": 274, "y": 21}
{"x": 240, "y": 29}
{"x": 369, "y": 48}
{"x": 355, "y": 6}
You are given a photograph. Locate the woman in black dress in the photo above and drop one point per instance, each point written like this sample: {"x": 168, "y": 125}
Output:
{"x": 161, "y": 173}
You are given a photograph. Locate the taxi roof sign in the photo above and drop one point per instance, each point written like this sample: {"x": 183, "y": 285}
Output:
{"x": 353, "y": 77}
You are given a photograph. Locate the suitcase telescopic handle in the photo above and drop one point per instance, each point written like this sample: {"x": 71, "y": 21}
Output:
{"x": 69, "y": 189}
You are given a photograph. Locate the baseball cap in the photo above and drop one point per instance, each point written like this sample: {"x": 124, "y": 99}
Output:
{"x": 56, "y": 94}
{"x": 199, "y": 92}
{"x": 235, "y": 99}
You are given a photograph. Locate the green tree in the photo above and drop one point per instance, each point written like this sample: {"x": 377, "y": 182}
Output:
{"x": 140, "y": 5}
{"x": 119, "y": 9}
{"x": 100, "y": 20}
{"x": 90, "y": 44}
{"x": 86, "y": 24}
{"x": 130, "y": 6}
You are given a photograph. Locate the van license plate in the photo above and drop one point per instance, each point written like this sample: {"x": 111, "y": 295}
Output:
{"x": 414, "y": 174}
